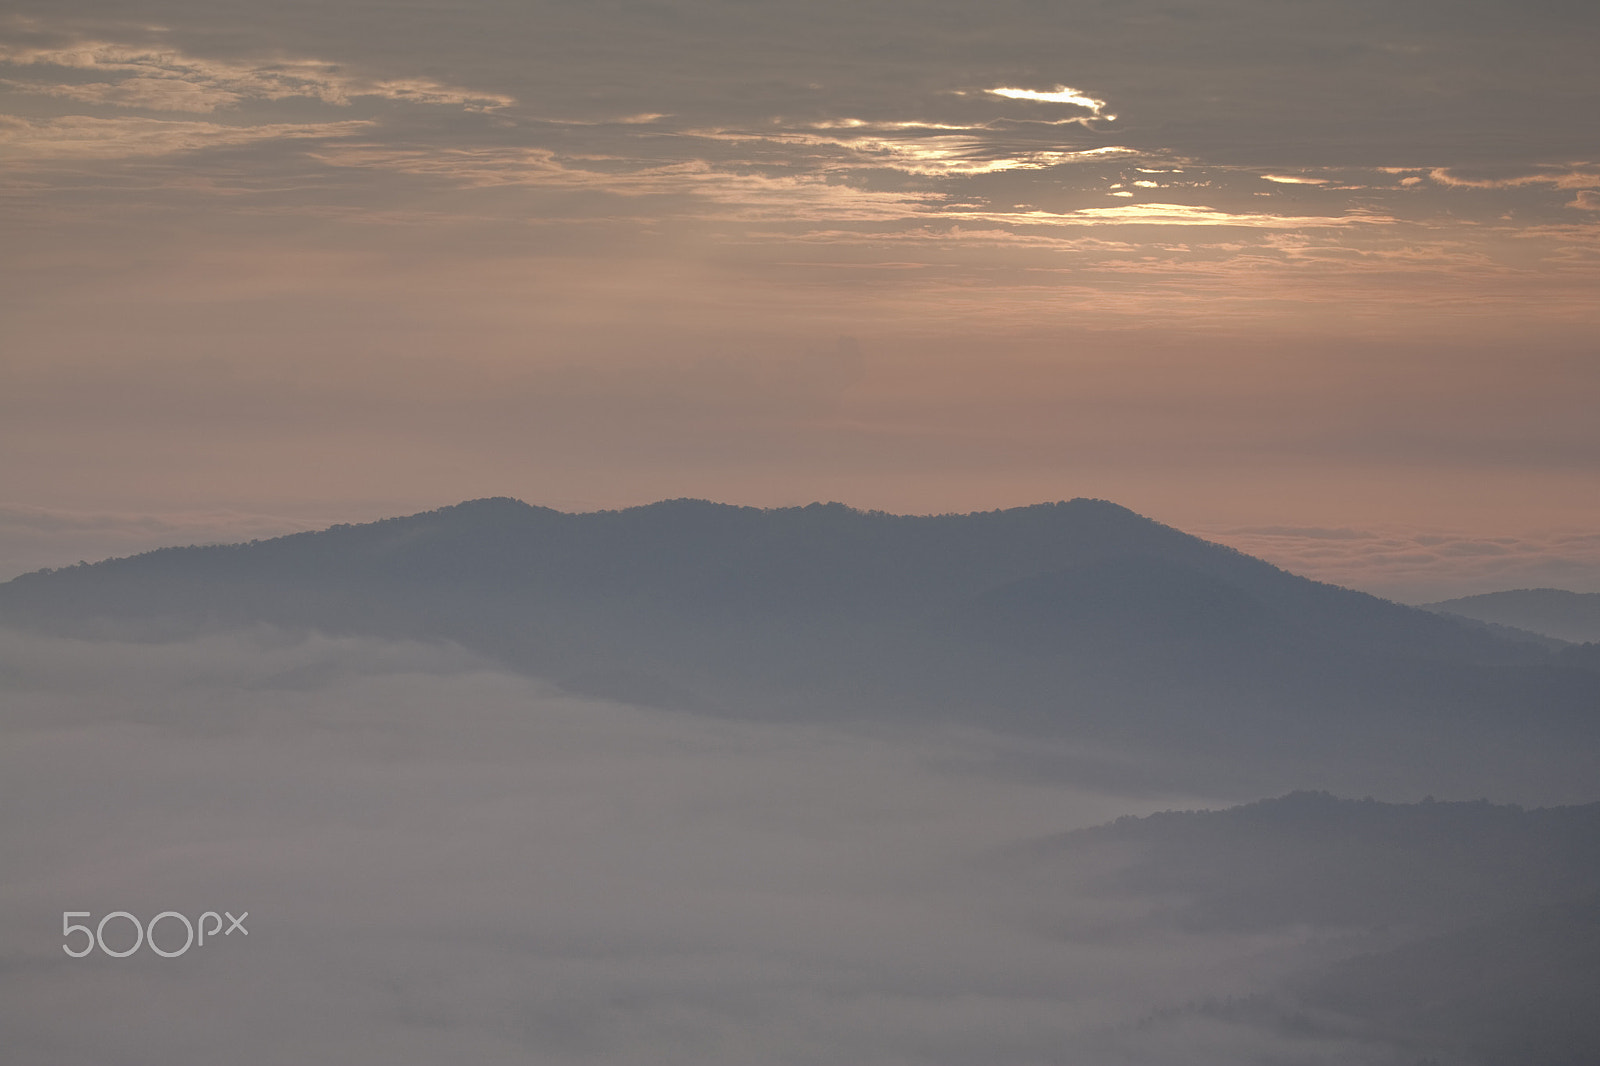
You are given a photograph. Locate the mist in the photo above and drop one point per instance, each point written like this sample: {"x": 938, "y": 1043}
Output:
{"x": 445, "y": 861}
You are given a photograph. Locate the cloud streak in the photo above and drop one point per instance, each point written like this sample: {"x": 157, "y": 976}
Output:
{"x": 1581, "y": 177}
{"x": 80, "y": 137}
{"x": 167, "y": 79}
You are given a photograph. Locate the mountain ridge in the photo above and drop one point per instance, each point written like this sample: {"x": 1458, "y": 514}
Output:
{"x": 1077, "y": 619}
{"x": 1556, "y": 613}
{"x": 465, "y": 528}
{"x": 1466, "y": 932}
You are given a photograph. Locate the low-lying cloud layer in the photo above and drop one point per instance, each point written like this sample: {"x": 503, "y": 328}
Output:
{"x": 443, "y": 861}
{"x": 32, "y": 538}
{"x": 1425, "y": 566}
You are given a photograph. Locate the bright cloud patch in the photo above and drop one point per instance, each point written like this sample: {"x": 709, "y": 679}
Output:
{"x": 965, "y": 151}
{"x": 1061, "y": 95}
{"x": 1190, "y": 215}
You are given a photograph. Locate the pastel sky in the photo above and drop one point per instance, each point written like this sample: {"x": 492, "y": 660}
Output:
{"x": 1241, "y": 265}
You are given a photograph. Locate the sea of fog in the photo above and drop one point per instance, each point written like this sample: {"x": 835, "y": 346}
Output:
{"x": 445, "y": 862}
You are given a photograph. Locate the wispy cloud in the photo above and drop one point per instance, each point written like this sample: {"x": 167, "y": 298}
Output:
{"x": 138, "y": 91}
{"x": 698, "y": 188}
{"x": 83, "y": 137}
{"x": 167, "y": 79}
{"x": 1576, "y": 177}
{"x": 917, "y": 148}
{"x": 1157, "y": 214}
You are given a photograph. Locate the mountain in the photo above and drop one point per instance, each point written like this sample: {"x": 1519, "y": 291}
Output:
{"x": 1077, "y": 621}
{"x": 1462, "y": 933}
{"x": 1569, "y": 616}
{"x": 1312, "y": 859}
{"x": 1513, "y": 990}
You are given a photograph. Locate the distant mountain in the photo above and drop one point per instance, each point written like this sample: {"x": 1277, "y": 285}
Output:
{"x": 1309, "y": 858}
{"x": 1570, "y": 616}
{"x": 1462, "y": 933}
{"x": 1517, "y": 989}
{"x": 1077, "y": 620}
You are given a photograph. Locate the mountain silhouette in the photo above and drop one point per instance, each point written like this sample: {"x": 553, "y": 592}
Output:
{"x": 1461, "y": 932}
{"x": 1313, "y": 859}
{"x": 1569, "y": 616}
{"x": 1078, "y": 620}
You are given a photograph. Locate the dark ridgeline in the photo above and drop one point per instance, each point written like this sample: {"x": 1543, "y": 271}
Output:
{"x": 1463, "y": 932}
{"x": 1077, "y": 620}
{"x": 1309, "y": 858}
{"x": 1568, "y": 616}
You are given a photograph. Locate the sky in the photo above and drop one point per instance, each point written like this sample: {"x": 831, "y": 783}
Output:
{"x": 1315, "y": 279}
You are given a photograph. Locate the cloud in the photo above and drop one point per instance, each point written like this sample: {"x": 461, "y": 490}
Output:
{"x": 1419, "y": 565}
{"x": 697, "y": 188}
{"x": 1154, "y": 214}
{"x": 36, "y": 537}
{"x": 155, "y": 94}
{"x": 167, "y": 79}
{"x": 1581, "y": 177}
{"x": 1061, "y": 94}
{"x": 83, "y": 137}
{"x": 916, "y": 148}
{"x": 445, "y": 861}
